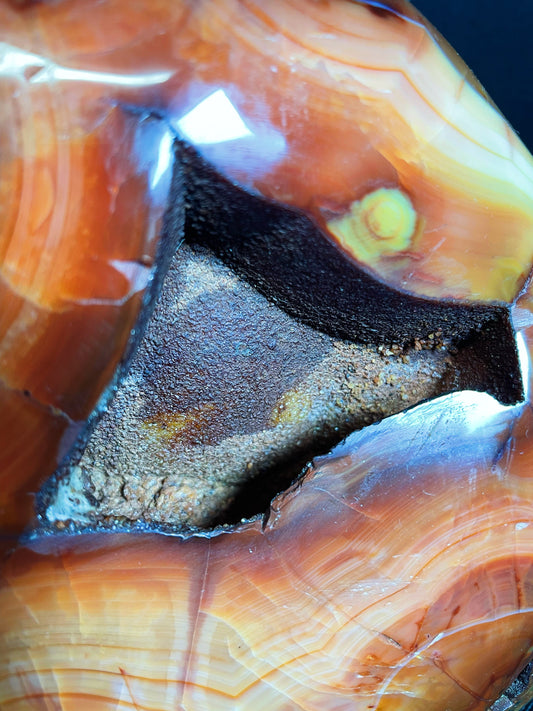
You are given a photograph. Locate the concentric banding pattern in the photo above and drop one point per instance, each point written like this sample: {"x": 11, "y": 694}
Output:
{"x": 397, "y": 575}
{"x": 307, "y": 611}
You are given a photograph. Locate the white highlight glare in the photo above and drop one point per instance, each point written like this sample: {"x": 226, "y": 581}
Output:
{"x": 480, "y": 408}
{"x": 164, "y": 160}
{"x": 523, "y": 357}
{"x": 137, "y": 275}
{"x": 65, "y": 74}
{"x": 13, "y": 62}
{"x": 213, "y": 120}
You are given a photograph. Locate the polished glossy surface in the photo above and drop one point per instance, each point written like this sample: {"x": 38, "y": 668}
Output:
{"x": 305, "y": 610}
{"x": 80, "y": 218}
{"x": 360, "y": 101}
{"x": 397, "y": 575}
{"x": 354, "y": 100}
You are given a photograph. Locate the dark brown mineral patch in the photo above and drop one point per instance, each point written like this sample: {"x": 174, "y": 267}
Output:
{"x": 226, "y": 400}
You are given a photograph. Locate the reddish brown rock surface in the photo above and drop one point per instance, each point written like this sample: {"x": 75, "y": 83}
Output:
{"x": 396, "y": 575}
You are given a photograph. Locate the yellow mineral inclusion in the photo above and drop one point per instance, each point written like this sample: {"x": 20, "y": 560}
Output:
{"x": 292, "y": 408}
{"x": 382, "y": 223}
{"x": 178, "y": 425}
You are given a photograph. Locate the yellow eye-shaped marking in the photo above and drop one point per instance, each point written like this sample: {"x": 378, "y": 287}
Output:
{"x": 382, "y": 223}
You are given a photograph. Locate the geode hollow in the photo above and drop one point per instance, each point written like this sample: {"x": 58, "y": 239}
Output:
{"x": 346, "y": 185}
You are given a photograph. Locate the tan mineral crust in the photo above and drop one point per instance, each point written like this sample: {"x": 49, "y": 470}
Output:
{"x": 226, "y": 401}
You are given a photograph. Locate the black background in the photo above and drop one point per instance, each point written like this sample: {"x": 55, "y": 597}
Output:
{"x": 496, "y": 41}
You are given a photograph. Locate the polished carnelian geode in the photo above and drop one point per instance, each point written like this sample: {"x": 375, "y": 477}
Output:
{"x": 342, "y": 159}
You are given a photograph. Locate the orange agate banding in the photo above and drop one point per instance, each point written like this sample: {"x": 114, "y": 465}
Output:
{"x": 398, "y": 573}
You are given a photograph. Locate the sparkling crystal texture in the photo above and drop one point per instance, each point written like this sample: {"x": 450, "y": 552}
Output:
{"x": 397, "y": 574}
